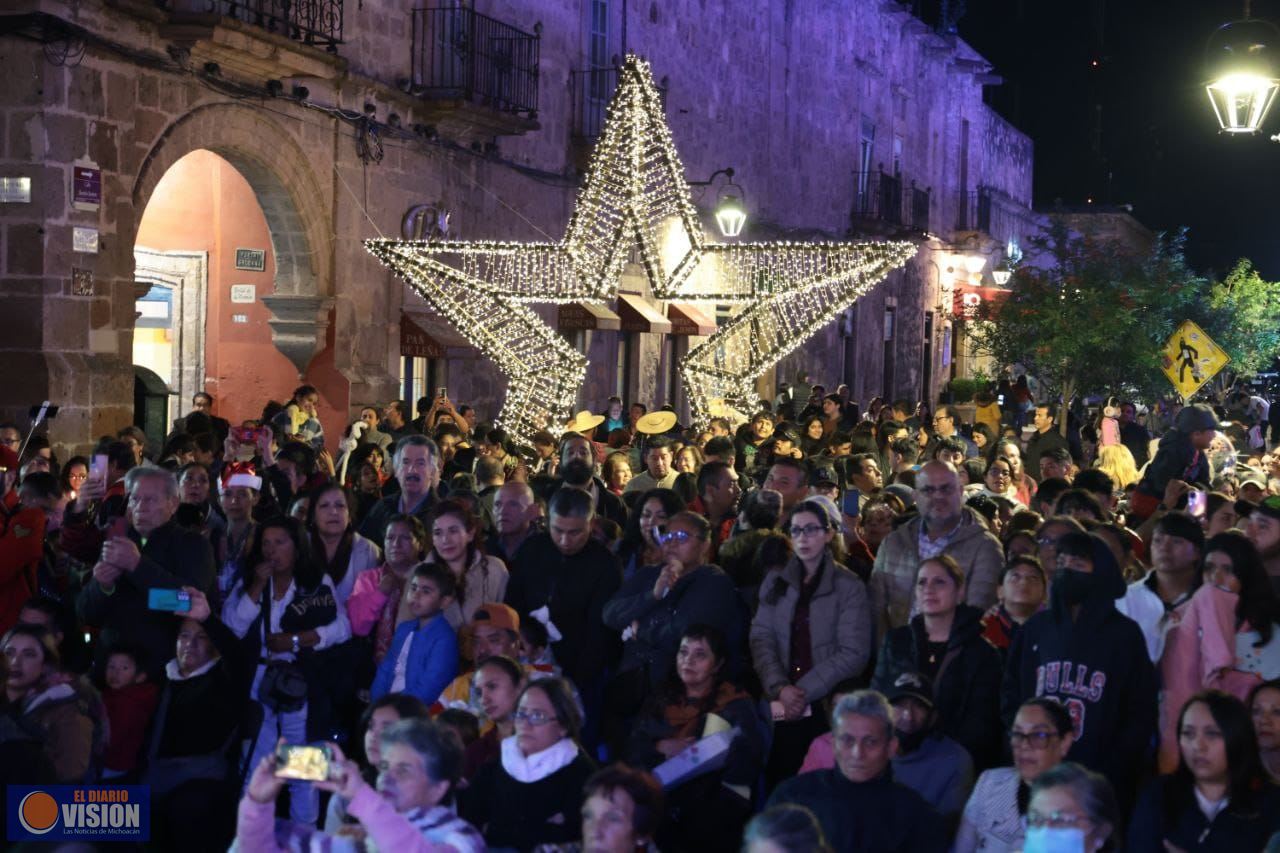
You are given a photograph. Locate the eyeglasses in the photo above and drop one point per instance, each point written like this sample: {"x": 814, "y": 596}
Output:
{"x": 1035, "y": 740}
{"x": 1047, "y": 541}
{"x": 1056, "y": 820}
{"x": 937, "y": 418}
{"x": 678, "y": 537}
{"x": 807, "y": 530}
{"x": 999, "y": 474}
{"x": 533, "y": 718}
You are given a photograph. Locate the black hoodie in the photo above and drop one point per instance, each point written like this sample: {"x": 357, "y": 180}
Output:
{"x": 1098, "y": 667}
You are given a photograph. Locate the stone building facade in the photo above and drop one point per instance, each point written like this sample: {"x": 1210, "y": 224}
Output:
{"x": 839, "y": 118}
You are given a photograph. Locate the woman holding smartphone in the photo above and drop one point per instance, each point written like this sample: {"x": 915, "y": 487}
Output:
{"x": 282, "y": 604}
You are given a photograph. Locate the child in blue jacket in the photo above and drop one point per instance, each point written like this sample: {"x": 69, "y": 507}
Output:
{"x": 423, "y": 657}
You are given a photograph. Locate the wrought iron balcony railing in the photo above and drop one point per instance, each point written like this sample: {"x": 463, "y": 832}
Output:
{"x": 317, "y": 23}
{"x": 881, "y": 197}
{"x": 459, "y": 53}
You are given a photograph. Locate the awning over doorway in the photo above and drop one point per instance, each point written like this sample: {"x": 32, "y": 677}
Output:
{"x": 689, "y": 320}
{"x": 587, "y": 316}
{"x": 639, "y": 316}
{"x": 429, "y": 336}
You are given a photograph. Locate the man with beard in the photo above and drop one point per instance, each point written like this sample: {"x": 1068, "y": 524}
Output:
{"x": 416, "y": 464}
{"x": 944, "y": 526}
{"x": 718, "y": 494}
{"x": 1263, "y": 530}
{"x": 577, "y": 469}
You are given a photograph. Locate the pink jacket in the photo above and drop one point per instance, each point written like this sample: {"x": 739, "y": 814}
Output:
{"x": 1200, "y": 653}
{"x": 257, "y": 829}
{"x": 821, "y": 754}
{"x": 369, "y": 607}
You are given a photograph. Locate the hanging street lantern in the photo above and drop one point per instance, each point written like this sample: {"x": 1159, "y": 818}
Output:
{"x": 1243, "y": 59}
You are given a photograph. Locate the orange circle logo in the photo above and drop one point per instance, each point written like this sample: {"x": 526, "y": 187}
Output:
{"x": 38, "y": 812}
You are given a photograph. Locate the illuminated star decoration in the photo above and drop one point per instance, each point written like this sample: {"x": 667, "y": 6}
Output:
{"x": 790, "y": 290}
{"x": 634, "y": 193}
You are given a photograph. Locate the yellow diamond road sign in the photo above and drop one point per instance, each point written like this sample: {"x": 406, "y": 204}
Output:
{"x": 1190, "y": 358}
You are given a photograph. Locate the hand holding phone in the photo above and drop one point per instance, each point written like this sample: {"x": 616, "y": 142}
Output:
{"x": 850, "y": 502}
{"x": 169, "y": 600}
{"x": 307, "y": 763}
{"x": 1197, "y": 501}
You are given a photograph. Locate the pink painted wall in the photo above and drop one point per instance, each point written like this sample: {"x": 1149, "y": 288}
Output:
{"x": 204, "y": 204}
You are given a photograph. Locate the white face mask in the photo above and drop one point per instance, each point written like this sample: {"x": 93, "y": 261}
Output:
{"x": 1054, "y": 839}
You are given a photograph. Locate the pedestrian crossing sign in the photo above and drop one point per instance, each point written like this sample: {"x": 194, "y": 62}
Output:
{"x": 1190, "y": 358}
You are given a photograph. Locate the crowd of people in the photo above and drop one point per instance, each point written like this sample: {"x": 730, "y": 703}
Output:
{"x": 1002, "y": 626}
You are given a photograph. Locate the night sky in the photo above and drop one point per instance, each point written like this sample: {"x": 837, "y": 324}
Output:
{"x": 1136, "y": 127}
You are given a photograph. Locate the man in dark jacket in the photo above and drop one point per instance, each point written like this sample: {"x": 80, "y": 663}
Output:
{"x": 563, "y": 578}
{"x": 858, "y": 804}
{"x": 1046, "y": 436}
{"x": 416, "y": 463}
{"x": 145, "y": 550}
{"x": 1093, "y": 659}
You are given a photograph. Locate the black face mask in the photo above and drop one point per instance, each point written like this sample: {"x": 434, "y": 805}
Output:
{"x": 1071, "y": 587}
{"x": 908, "y": 743}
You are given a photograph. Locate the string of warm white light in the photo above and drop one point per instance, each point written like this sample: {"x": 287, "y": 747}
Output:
{"x": 634, "y": 195}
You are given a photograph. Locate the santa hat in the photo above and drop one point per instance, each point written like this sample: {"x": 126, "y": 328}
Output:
{"x": 240, "y": 474}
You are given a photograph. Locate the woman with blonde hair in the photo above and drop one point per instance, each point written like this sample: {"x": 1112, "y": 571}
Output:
{"x": 1117, "y": 462}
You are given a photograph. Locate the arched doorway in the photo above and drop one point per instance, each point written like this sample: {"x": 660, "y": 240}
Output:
{"x": 248, "y": 323}
{"x": 205, "y": 247}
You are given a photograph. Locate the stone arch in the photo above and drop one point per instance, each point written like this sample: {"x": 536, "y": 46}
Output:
{"x": 294, "y": 202}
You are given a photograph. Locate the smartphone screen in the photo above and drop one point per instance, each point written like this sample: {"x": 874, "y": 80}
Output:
{"x": 1196, "y": 501}
{"x": 169, "y": 600}
{"x": 850, "y": 502}
{"x": 98, "y": 468}
{"x": 310, "y": 763}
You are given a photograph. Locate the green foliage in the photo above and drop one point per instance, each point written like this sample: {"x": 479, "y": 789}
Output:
{"x": 1095, "y": 315}
{"x": 963, "y": 390}
{"x": 1243, "y": 317}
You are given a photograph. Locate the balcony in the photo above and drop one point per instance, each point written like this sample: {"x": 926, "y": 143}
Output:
{"x": 315, "y": 23}
{"x": 882, "y": 201}
{"x": 461, "y": 55}
{"x": 989, "y": 211}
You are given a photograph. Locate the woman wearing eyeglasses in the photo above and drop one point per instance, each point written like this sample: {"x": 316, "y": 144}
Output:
{"x": 811, "y": 632}
{"x": 532, "y": 794}
{"x": 944, "y": 641}
{"x": 994, "y": 818}
{"x": 657, "y": 603}
{"x": 1072, "y": 809}
{"x": 1219, "y": 797}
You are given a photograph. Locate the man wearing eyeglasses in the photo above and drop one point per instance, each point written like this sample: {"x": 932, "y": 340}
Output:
{"x": 944, "y": 526}
{"x": 946, "y": 424}
{"x": 10, "y": 437}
